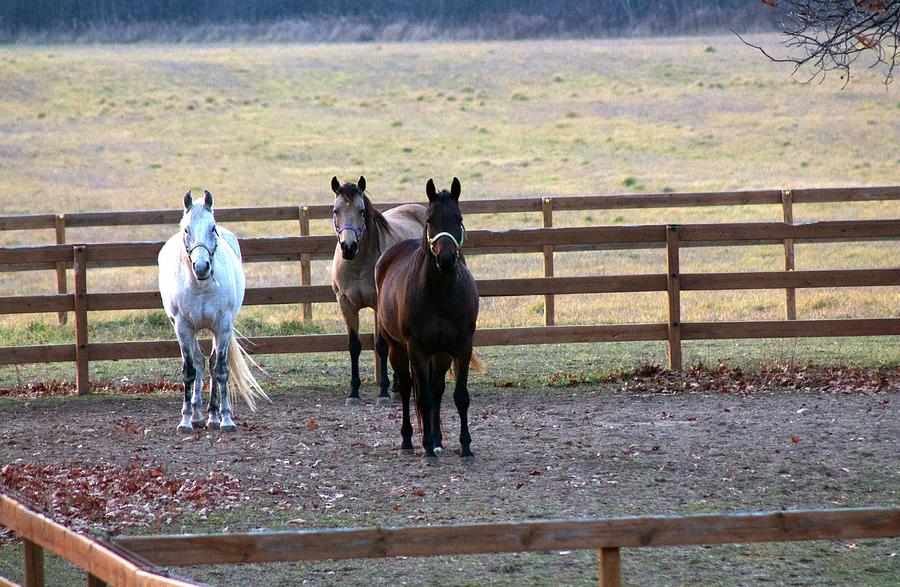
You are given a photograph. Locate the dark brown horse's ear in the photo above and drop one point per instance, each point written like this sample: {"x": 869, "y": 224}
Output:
{"x": 335, "y": 185}
{"x": 429, "y": 190}
{"x": 207, "y": 200}
{"x": 188, "y": 201}
{"x": 361, "y": 184}
{"x": 455, "y": 189}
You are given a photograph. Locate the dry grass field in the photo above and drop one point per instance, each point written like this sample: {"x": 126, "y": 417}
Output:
{"x": 132, "y": 127}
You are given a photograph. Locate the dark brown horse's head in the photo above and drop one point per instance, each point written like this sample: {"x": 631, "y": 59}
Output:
{"x": 350, "y": 212}
{"x": 444, "y": 229}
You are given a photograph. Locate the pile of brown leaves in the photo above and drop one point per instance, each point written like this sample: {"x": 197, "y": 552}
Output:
{"x": 80, "y": 496}
{"x": 63, "y": 387}
{"x": 722, "y": 378}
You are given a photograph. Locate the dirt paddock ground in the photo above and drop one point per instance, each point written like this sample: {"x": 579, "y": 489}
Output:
{"x": 308, "y": 461}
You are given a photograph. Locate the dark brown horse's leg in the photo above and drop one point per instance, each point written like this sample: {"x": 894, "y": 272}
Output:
{"x": 437, "y": 374}
{"x": 381, "y": 349}
{"x": 461, "y": 398}
{"x": 424, "y": 399}
{"x": 403, "y": 387}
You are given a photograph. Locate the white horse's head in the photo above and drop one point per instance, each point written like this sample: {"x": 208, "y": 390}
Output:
{"x": 200, "y": 235}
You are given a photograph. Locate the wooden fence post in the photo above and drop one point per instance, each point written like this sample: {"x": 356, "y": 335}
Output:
{"x": 305, "y": 269}
{"x": 787, "y": 207}
{"x": 82, "y": 377}
{"x": 61, "y": 286}
{"x": 549, "y": 299}
{"x": 674, "y": 294}
{"x": 34, "y": 564}
{"x": 610, "y": 567}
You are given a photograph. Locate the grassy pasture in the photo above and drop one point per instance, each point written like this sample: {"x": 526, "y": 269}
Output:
{"x": 132, "y": 127}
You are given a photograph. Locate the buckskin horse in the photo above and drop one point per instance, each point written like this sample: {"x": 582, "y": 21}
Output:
{"x": 363, "y": 233}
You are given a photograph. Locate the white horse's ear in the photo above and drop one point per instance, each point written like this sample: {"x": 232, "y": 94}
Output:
{"x": 361, "y": 184}
{"x": 429, "y": 190}
{"x": 335, "y": 185}
{"x": 455, "y": 189}
{"x": 188, "y": 201}
{"x": 207, "y": 200}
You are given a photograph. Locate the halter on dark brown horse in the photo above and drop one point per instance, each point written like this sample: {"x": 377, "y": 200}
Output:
{"x": 427, "y": 309}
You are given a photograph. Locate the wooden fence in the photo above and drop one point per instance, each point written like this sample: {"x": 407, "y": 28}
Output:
{"x": 127, "y": 560}
{"x": 784, "y": 199}
{"x": 671, "y": 237}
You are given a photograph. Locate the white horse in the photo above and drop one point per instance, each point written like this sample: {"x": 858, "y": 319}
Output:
{"x": 202, "y": 286}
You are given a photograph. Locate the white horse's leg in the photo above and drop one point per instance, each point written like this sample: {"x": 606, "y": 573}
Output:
{"x": 222, "y": 339}
{"x": 213, "y": 421}
{"x": 197, "y": 399}
{"x": 186, "y": 340}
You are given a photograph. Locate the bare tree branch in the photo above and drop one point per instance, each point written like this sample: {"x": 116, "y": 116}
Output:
{"x": 823, "y": 36}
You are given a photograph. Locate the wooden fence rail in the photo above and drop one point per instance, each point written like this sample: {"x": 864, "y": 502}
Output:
{"x": 672, "y": 238}
{"x": 134, "y": 560}
{"x": 544, "y": 205}
{"x": 101, "y": 562}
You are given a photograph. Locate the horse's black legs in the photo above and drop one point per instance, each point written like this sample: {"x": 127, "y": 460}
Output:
{"x": 461, "y": 399}
{"x": 212, "y": 410}
{"x": 221, "y": 375}
{"x": 355, "y": 349}
{"x": 424, "y": 398}
{"x": 437, "y": 374}
{"x": 381, "y": 347}
{"x": 403, "y": 387}
{"x": 381, "y": 352}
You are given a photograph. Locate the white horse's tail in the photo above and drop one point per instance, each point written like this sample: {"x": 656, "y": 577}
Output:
{"x": 239, "y": 374}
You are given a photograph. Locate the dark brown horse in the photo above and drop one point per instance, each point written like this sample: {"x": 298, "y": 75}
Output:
{"x": 427, "y": 309}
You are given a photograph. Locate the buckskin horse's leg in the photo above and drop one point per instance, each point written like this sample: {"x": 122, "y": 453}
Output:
{"x": 461, "y": 398}
{"x": 437, "y": 374}
{"x": 351, "y": 319}
{"x": 424, "y": 398}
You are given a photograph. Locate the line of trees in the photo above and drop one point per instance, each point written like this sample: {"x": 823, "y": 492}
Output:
{"x": 572, "y": 18}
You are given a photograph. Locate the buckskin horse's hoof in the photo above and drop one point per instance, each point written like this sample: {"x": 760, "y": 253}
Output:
{"x": 384, "y": 401}
{"x": 353, "y": 401}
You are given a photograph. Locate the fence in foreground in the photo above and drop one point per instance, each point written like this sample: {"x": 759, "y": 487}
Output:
{"x": 129, "y": 561}
{"x": 670, "y": 237}
{"x": 545, "y": 206}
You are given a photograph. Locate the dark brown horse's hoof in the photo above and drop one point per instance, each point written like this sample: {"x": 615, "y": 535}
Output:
{"x": 353, "y": 401}
{"x": 466, "y": 453}
{"x": 383, "y": 402}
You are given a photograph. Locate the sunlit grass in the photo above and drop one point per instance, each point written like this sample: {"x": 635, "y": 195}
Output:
{"x": 118, "y": 128}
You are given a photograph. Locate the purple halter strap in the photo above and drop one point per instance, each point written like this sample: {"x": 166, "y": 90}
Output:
{"x": 357, "y": 231}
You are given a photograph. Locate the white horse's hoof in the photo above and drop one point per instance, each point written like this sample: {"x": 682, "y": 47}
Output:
{"x": 185, "y": 429}
{"x": 228, "y": 428}
{"x": 353, "y": 401}
{"x": 212, "y": 424}
{"x": 384, "y": 402}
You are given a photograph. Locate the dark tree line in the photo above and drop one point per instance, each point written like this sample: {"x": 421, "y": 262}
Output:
{"x": 573, "y": 17}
